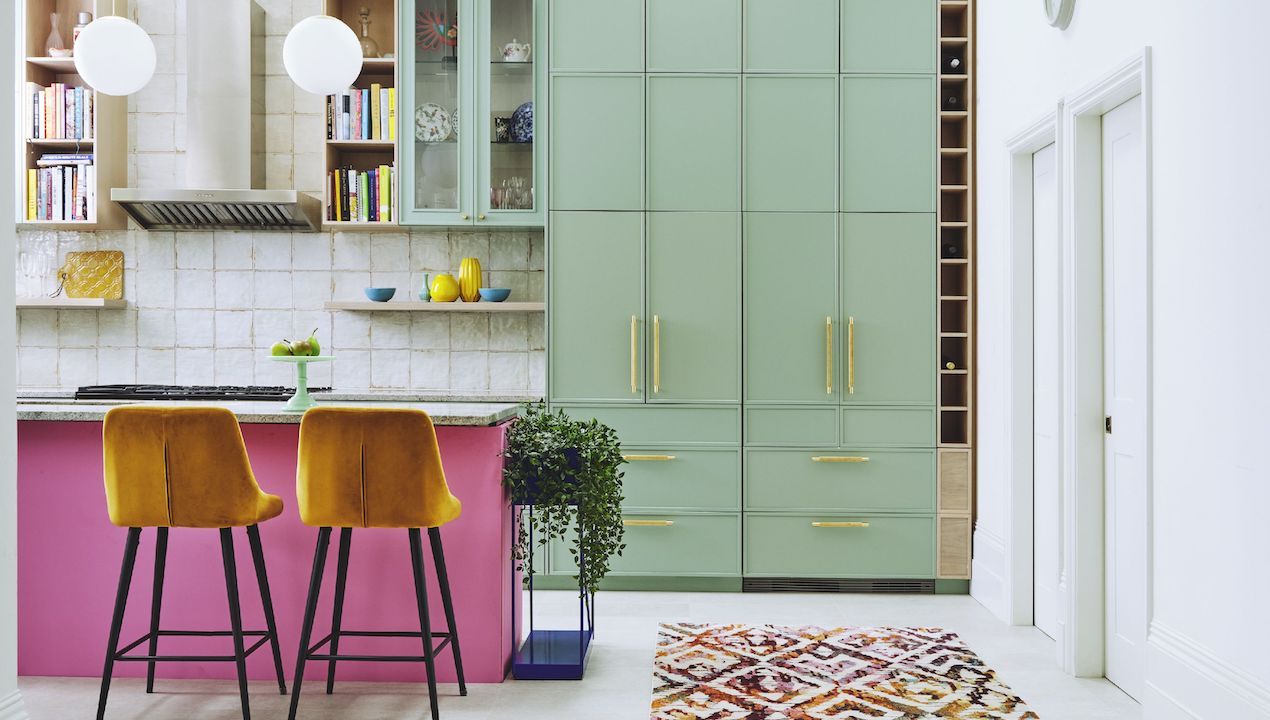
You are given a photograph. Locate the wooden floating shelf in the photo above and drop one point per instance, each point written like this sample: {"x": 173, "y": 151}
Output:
{"x": 78, "y": 225}
{"x": 65, "y": 303}
{"x": 350, "y": 226}
{"x": 57, "y": 64}
{"x": 369, "y": 64}
{"x": 60, "y": 142}
{"x": 362, "y": 144}
{"x": 416, "y": 306}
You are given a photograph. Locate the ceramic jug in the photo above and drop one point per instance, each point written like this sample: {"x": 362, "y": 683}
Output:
{"x": 515, "y": 51}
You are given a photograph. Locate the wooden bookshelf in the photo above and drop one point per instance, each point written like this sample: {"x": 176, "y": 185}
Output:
{"x": 447, "y": 307}
{"x": 109, "y": 142}
{"x": 367, "y": 154}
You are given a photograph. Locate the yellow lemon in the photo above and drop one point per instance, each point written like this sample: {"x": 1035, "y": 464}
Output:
{"x": 445, "y": 288}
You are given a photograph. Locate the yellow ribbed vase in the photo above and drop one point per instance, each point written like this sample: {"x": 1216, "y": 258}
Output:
{"x": 470, "y": 279}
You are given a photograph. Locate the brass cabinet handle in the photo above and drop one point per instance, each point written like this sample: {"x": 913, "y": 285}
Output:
{"x": 839, "y": 459}
{"x": 840, "y": 524}
{"x": 656, "y": 354}
{"x": 463, "y": 216}
{"x": 647, "y": 523}
{"x": 634, "y": 349}
{"x": 828, "y": 355}
{"x": 651, "y": 458}
{"x": 851, "y": 356}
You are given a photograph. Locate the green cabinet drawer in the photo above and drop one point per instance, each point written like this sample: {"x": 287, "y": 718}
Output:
{"x": 889, "y": 36}
{"x": 796, "y": 546}
{"x": 650, "y": 426}
{"x": 694, "y": 142}
{"x": 578, "y": 45}
{"x": 683, "y": 479}
{"x": 670, "y": 544}
{"x": 888, "y": 427}
{"x": 791, "y": 135}
{"x": 888, "y": 144}
{"x": 791, "y": 426}
{"x": 833, "y": 481}
{"x": 792, "y": 37}
{"x": 597, "y": 142}
{"x": 692, "y": 36}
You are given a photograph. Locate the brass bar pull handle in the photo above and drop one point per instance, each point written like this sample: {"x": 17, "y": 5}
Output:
{"x": 647, "y": 523}
{"x": 634, "y": 351}
{"x": 656, "y": 354}
{"x": 839, "y": 459}
{"x": 648, "y": 458}
{"x": 828, "y": 355}
{"x": 840, "y": 524}
{"x": 851, "y": 356}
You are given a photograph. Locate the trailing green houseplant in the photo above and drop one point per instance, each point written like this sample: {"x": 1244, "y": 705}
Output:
{"x": 570, "y": 472}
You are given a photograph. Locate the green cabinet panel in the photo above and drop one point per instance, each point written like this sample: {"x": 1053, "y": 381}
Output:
{"x": 808, "y": 480}
{"x": 591, "y": 310}
{"x": 579, "y": 44}
{"x": 693, "y": 35}
{"x": 796, "y": 37}
{"x": 791, "y": 546}
{"x": 597, "y": 142}
{"x": 888, "y": 427}
{"x": 888, "y": 144}
{"x": 670, "y": 544}
{"x": 694, "y": 146}
{"x": 791, "y": 307}
{"x": 889, "y": 36}
{"x": 791, "y": 426}
{"x": 791, "y": 136}
{"x": 682, "y": 479}
{"x": 651, "y": 426}
{"x": 888, "y": 279}
{"x": 694, "y": 323}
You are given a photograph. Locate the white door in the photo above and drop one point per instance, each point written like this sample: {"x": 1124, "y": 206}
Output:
{"x": 1125, "y": 368}
{"x": 1047, "y": 491}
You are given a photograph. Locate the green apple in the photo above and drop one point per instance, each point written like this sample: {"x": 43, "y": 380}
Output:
{"x": 280, "y": 348}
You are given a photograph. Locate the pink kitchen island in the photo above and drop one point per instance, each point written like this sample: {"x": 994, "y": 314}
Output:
{"x": 69, "y": 556}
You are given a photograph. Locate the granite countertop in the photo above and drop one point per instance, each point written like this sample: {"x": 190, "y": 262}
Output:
{"x": 430, "y": 396}
{"x": 442, "y": 413}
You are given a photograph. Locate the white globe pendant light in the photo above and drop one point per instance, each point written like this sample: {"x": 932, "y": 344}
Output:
{"x": 114, "y": 56}
{"x": 322, "y": 55}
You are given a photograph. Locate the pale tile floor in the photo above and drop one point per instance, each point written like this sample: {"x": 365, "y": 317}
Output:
{"x": 619, "y": 675}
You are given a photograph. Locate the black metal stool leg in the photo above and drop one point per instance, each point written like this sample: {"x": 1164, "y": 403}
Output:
{"x": 425, "y": 625}
{"x": 443, "y": 579}
{"x": 156, "y": 601}
{"x": 266, "y": 599}
{"x": 337, "y": 608}
{"x": 121, "y": 599}
{"x": 235, "y": 615}
{"x": 310, "y": 609}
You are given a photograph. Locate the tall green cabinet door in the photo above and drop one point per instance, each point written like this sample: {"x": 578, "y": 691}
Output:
{"x": 694, "y": 130}
{"x": 888, "y": 308}
{"x": 692, "y": 35}
{"x": 888, "y": 144}
{"x": 889, "y": 36}
{"x": 597, "y": 142}
{"x": 791, "y": 308}
{"x": 791, "y": 37}
{"x": 694, "y": 290}
{"x": 597, "y": 36}
{"x": 596, "y": 305}
{"x": 791, "y": 143}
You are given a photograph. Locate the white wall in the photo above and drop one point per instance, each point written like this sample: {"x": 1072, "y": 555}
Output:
{"x": 1211, "y": 336}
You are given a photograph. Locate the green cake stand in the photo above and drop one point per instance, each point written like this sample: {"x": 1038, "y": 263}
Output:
{"x": 302, "y": 400}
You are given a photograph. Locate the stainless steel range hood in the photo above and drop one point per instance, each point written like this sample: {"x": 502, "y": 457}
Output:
{"x": 225, "y": 123}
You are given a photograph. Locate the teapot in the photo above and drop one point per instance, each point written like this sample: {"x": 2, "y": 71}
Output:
{"x": 516, "y": 51}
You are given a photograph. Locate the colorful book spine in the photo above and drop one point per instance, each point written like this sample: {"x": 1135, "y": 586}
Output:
{"x": 32, "y": 178}
{"x": 392, "y": 113}
{"x": 376, "y": 128}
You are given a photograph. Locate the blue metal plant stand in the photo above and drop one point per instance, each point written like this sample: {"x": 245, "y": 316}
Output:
{"x": 551, "y": 654}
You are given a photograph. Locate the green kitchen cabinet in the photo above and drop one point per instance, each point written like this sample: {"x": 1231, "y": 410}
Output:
{"x": 791, "y": 143}
{"x": 839, "y": 545}
{"x": 888, "y": 304}
{"x": 792, "y": 329}
{"x": 597, "y": 35}
{"x": 693, "y": 35}
{"x": 888, "y": 144}
{"x": 694, "y": 129}
{"x": 694, "y": 317}
{"x": 597, "y": 142}
{"x": 665, "y": 544}
{"x": 791, "y": 37}
{"x": 596, "y": 303}
{"x": 889, "y": 36}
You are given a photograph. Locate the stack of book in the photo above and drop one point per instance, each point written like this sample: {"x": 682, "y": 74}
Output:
{"x": 369, "y": 114}
{"x": 58, "y": 112}
{"x": 61, "y": 188}
{"x": 361, "y": 195}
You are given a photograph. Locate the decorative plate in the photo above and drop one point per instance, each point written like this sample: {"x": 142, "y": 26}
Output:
{"x": 432, "y": 123}
{"x": 454, "y": 122}
{"x": 522, "y": 130}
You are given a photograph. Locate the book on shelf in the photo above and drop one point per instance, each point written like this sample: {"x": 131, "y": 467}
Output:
{"x": 362, "y": 114}
{"x": 63, "y": 191}
{"x": 58, "y": 112}
{"x": 360, "y": 195}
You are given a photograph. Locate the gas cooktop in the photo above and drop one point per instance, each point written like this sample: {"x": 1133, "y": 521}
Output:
{"x": 187, "y": 392}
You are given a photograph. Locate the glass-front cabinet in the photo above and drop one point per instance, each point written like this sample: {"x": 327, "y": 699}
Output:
{"x": 471, "y": 87}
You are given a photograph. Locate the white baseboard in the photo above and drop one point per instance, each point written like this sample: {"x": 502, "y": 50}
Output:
{"x": 1185, "y": 681}
{"x": 11, "y": 707}
{"x": 988, "y": 574}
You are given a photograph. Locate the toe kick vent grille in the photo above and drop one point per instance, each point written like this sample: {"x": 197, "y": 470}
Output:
{"x": 833, "y": 585}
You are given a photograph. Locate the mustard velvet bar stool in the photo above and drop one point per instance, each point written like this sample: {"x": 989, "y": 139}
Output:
{"x": 374, "y": 468}
{"x": 185, "y": 468}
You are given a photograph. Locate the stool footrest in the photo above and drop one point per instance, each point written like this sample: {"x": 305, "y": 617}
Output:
{"x": 311, "y": 654}
{"x": 122, "y": 655}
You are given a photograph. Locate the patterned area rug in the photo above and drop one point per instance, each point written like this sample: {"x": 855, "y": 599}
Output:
{"x": 770, "y": 672}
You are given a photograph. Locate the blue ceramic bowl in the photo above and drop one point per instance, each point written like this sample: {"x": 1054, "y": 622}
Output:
{"x": 494, "y": 294}
{"x": 380, "y": 294}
